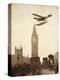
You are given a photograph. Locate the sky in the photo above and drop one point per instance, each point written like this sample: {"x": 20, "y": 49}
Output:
{"x": 22, "y": 24}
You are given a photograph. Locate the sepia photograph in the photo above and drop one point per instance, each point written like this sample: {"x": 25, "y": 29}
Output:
{"x": 32, "y": 40}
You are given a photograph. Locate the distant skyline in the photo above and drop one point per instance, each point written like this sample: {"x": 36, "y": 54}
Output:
{"x": 22, "y": 27}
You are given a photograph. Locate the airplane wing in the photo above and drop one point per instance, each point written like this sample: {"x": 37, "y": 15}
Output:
{"x": 36, "y": 15}
{"x": 40, "y": 23}
{"x": 38, "y": 19}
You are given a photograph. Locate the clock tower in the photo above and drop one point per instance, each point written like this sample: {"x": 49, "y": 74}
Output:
{"x": 34, "y": 41}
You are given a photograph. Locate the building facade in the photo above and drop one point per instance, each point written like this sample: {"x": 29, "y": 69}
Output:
{"x": 17, "y": 58}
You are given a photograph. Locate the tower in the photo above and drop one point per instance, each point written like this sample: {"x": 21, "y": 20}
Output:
{"x": 34, "y": 42}
{"x": 19, "y": 55}
{"x": 35, "y": 59}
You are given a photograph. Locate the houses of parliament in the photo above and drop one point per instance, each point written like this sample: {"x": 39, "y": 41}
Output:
{"x": 18, "y": 58}
{"x": 21, "y": 65}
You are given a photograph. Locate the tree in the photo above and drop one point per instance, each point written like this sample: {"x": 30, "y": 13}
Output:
{"x": 51, "y": 58}
{"x": 51, "y": 61}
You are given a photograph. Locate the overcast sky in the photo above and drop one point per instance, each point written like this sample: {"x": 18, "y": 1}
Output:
{"x": 22, "y": 27}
